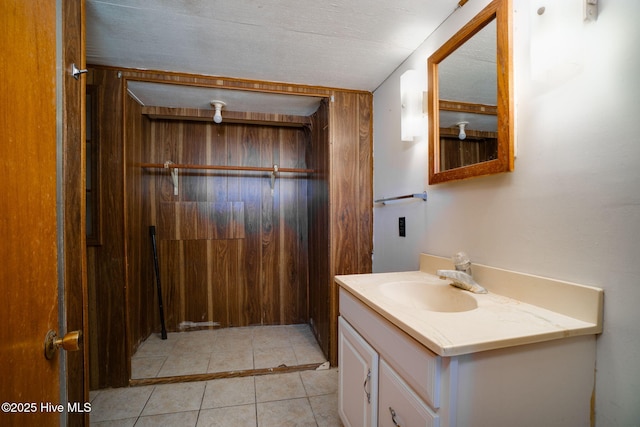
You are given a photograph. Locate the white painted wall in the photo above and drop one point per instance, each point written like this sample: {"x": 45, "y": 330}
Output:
{"x": 571, "y": 208}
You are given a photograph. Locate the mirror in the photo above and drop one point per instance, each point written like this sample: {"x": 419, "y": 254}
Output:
{"x": 470, "y": 99}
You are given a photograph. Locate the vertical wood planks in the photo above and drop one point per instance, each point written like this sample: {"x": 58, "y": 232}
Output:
{"x": 319, "y": 228}
{"x": 365, "y": 183}
{"x": 106, "y": 291}
{"x": 351, "y": 205}
{"x": 233, "y": 250}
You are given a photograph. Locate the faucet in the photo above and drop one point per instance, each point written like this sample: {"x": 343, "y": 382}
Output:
{"x": 461, "y": 276}
{"x": 461, "y": 280}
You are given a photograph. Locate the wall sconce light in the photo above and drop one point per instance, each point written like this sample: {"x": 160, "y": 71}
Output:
{"x": 217, "y": 105}
{"x": 410, "y": 105}
{"x": 462, "y": 134}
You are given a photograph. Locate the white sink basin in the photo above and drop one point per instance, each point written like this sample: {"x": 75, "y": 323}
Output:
{"x": 425, "y": 295}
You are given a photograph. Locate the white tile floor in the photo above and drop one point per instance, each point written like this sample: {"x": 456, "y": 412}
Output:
{"x": 223, "y": 350}
{"x": 305, "y": 398}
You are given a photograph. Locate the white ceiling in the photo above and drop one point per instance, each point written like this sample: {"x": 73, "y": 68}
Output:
{"x": 352, "y": 44}
{"x": 178, "y": 96}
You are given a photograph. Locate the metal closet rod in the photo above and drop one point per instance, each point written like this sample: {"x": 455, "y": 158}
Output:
{"x": 422, "y": 196}
{"x": 274, "y": 168}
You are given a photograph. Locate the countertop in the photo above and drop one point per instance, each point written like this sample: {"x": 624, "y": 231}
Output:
{"x": 498, "y": 321}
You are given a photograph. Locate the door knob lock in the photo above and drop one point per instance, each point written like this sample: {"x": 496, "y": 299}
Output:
{"x": 70, "y": 342}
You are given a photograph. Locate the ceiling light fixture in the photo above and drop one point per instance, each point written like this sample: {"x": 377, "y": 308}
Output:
{"x": 217, "y": 105}
{"x": 462, "y": 135}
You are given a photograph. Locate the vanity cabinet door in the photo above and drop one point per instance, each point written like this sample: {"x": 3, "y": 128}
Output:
{"x": 399, "y": 405}
{"x": 358, "y": 378}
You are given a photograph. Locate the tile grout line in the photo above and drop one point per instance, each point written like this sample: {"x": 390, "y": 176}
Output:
{"x": 255, "y": 399}
{"x": 253, "y": 361}
{"x": 204, "y": 393}
{"x": 161, "y": 366}
{"x": 145, "y": 405}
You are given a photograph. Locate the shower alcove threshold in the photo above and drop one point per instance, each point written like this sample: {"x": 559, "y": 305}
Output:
{"x": 223, "y": 353}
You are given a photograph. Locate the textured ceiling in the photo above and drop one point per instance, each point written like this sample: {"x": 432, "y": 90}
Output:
{"x": 172, "y": 95}
{"x": 353, "y": 44}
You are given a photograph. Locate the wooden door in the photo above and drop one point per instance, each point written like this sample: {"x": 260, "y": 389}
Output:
{"x": 30, "y": 253}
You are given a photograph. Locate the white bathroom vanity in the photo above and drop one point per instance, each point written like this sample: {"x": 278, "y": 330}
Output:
{"x": 415, "y": 351}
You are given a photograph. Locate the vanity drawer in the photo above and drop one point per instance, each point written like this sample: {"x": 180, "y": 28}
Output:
{"x": 417, "y": 365}
{"x": 399, "y": 405}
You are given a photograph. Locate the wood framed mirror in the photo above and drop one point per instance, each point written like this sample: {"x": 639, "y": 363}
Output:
{"x": 471, "y": 90}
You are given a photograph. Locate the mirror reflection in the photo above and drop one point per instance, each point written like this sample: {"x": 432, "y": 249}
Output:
{"x": 467, "y": 90}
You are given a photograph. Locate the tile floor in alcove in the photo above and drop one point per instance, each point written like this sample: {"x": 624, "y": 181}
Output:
{"x": 305, "y": 398}
{"x": 222, "y": 350}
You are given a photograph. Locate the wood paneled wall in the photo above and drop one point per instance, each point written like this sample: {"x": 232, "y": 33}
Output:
{"x": 233, "y": 251}
{"x": 106, "y": 263}
{"x": 74, "y": 169}
{"x": 275, "y": 266}
{"x": 141, "y": 315}
{"x": 351, "y": 195}
{"x": 476, "y": 148}
{"x": 319, "y": 247}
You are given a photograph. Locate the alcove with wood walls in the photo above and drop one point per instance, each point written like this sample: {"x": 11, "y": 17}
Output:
{"x": 236, "y": 247}
{"x": 233, "y": 244}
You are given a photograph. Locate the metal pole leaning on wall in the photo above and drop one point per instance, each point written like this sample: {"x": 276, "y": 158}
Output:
{"x": 152, "y": 233}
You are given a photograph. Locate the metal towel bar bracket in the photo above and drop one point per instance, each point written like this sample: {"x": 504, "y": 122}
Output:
{"x": 422, "y": 196}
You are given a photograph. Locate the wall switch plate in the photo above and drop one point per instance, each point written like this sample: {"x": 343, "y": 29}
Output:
{"x": 402, "y": 227}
